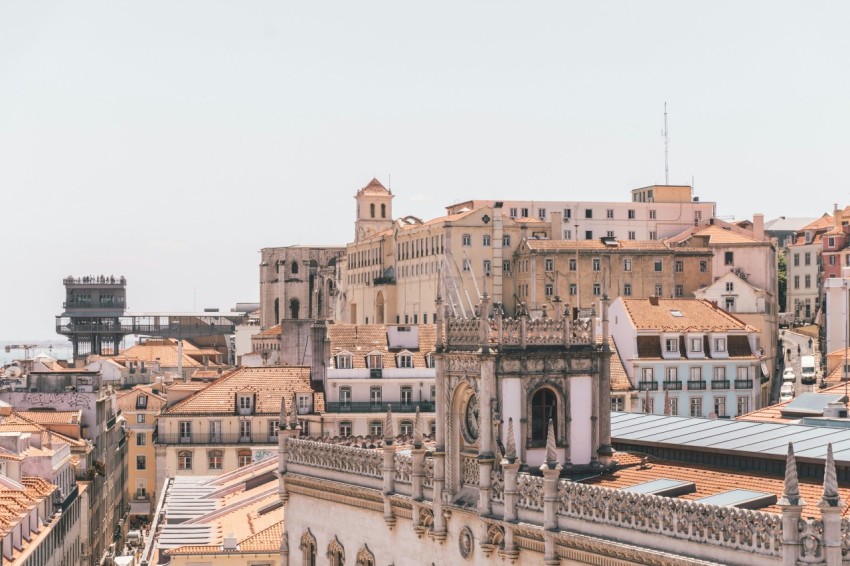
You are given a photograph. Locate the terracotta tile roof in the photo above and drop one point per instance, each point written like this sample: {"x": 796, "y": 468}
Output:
{"x": 14, "y": 502}
{"x": 361, "y": 339}
{"x": 268, "y": 383}
{"x": 573, "y": 245}
{"x": 16, "y": 423}
{"x": 127, "y": 399}
{"x": 374, "y": 188}
{"x": 619, "y": 378}
{"x": 165, "y": 351}
{"x": 697, "y": 316}
{"x": 528, "y": 220}
{"x": 52, "y": 417}
{"x": 718, "y": 235}
{"x": 267, "y": 540}
{"x": 271, "y": 331}
{"x": 711, "y": 481}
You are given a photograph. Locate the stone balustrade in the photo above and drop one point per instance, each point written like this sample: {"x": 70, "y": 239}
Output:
{"x": 334, "y": 457}
{"x": 403, "y": 468}
{"x": 521, "y": 332}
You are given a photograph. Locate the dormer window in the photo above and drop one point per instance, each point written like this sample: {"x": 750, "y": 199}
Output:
{"x": 696, "y": 344}
{"x": 245, "y": 403}
{"x": 375, "y": 360}
{"x": 405, "y": 359}
{"x": 142, "y": 402}
{"x": 720, "y": 344}
{"x": 672, "y": 345}
{"x": 344, "y": 360}
{"x": 429, "y": 360}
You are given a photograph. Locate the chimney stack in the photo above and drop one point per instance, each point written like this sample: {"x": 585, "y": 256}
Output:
{"x": 758, "y": 226}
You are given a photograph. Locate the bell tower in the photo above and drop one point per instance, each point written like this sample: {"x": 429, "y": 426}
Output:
{"x": 374, "y": 210}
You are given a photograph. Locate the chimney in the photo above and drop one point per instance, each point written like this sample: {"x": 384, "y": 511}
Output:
{"x": 758, "y": 226}
{"x": 229, "y": 543}
{"x": 653, "y": 300}
{"x": 836, "y": 215}
{"x": 557, "y": 225}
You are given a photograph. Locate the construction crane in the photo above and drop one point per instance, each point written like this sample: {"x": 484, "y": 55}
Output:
{"x": 29, "y": 347}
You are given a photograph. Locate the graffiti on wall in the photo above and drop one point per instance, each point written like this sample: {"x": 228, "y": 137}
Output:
{"x": 69, "y": 399}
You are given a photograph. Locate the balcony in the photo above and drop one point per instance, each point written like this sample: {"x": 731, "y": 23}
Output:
{"x": 720, "y": 384}
{"x": 743, "y": 384}
{"x": 367, "y": 407}
{"x": 672, "y": 386}
{"x": 110, "y": 422}
{"x": 216, "y": 438}
{"x": 383, "y": 281}
{"x": 648, "y": 386}
{"x": 696, "y": 385}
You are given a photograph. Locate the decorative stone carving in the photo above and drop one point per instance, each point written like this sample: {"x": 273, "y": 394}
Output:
{"x": 497, "y": 486}
{"x": 428, "y": 480}
{"x": 470, "y": 471}
{"x": 333, "y": 457}
{"x": 463, "y": 364}
{"x": 465, "y": 542}
{"x": 811, "y": 539}
{"x": 530, "y": 490}
{"x": 403, "y": 468}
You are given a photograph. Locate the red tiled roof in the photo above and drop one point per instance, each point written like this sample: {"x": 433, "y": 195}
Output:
{"x": 361, "y": 339}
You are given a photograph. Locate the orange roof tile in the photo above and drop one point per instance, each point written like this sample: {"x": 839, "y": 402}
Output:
{"x": 268, "y": 383}
{"x": 271, "y": 331}
{"x": 361, "y": 339}
{"x": 52, "y": 417}
{"x": 127, "y": 399}
{"x": 573, "y": 245}
{"x": 697, "y": 316}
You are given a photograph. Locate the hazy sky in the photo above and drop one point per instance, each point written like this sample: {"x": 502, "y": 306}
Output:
{"x": 170, "y": 141}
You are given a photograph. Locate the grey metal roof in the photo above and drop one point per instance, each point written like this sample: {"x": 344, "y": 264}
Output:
{"x": 721, "y": 435}
{"x": 787, "y": 224}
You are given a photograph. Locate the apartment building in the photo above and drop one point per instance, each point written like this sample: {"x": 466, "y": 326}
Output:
{"x": 687, "y": 357}
{"x": 140, "y": 407}
{"x": 552, "y": 273}
{"x": 224, "y": 425}
{"x": 804, "y": 269}
{"x": 178, "y": 358}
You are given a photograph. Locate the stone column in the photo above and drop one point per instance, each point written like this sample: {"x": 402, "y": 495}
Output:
{"x": 551, "y": 472}
{"x": 792, "y": 507}
{"x": 605, "y": 452}
{"x": 388, "y": 468}
{"x": 418, "y": 461}
{"x": 831, "y": 506}
{"x": 510, "y": 466}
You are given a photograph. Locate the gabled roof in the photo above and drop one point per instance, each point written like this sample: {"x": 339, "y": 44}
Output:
{"x": 165, "y": 352}
{"x": 271, "y": 331}
{"x": 374, "y": 188}
{"x": 17, "y": 423}
{"x": 361, "y": 339}
{"x": 53, "y": 417}
{"x": 696, "y": 316}
{"x": 271, "y": 383}
{"x": 127, "y": 399}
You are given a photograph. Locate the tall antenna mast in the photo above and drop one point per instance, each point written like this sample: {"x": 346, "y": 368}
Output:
{"x": 666, "y": 144}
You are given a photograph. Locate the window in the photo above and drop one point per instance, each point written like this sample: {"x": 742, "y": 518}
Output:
{"x": 544, "y": 406}
{"x": 680, "y": 266}
{"x": 573, "y": 289}
{"x": 627, "y": 264}
{"x": 671, "y": 374}
{"x": 720, "y": 344}
{"x": 588, "y": 234}
{"x": 646, "y": 375}
{"x": 375, "y": 361}
{"x": 658, "y": 265}
{"x": 541, "y": 213}
{"x": 596, "y": 264}
{"x": 568, "y": 234}
{"x": 215, "y": 431}
{"x": 485, "y": 240}
{"x": 433, "y": 393}
{"x": 467, "y": 240}
{"x": 184, "y": 460}
{"x": 703, "y": 266}
{"x": 506, "y": 266}
{"x": 244, "y": 431}
{"x": 345, "y": 428}
{"x": 830, "y": 242}
{"x": 467, "y": 265}
{"x": 719, "y": 373}
{"x": 674, "y": 405}
{"x": 618, "y": 404}
{"x": 696, "y": 344}
{"x": 696, "y": 406}
{"x": 572, "y": 264}
{"x": 652, "y": 215}
{"x": 375, "y": 395}
{"x": 405, "y": 361}
{"x": 406, "y": 395}
{"x": 720, "y": 406}
{"x": 730, "y": 286}
{"x": 743, "y": 405}
{"x": 345, "y": 396}
{"x": 568, "y": 213}
{"x": 215, "y": 459}
{"x": 185, "y": 428}
{"x": 632, "y": 235}
{"x": 140, "y": 439}
{"x": 610, "y": 234}
{"x": 808, "y": 279}
{"x": 796, "y": 281}
{"x": 671, "y": 344}
{"x": 653, "y": 235}
{"x": 142, "y": 402}
{"x": 245, "y": 404}
{"x": 376, "y": 428}
{"x": 832, "y": 260}
{"x": 742, "y": 373}
{"x": 244, "y": 457}
{"x": 680, "y": 290}
{"x": 549, "y": 289}
{"x": 695, "y": 374}
{"x": 274, "y": 429}
{"x": 659, "y": 290}
{"x": 588, "y": 213}
{"x": 513, "y": 213}
{"x": 344, "y": 361}
{"x": 609, "y": 213}
{"x": 627, "y": 289}
{"x": 308, "y": 549}
{"x": 729, "y": 258}
{"x": 597, "y": 289}
{"x": 405, "y": 428}
{"x": 631, "y": 214}
{"x": 797, "y": 260}
{"x": 506, "y": 240}
{"x": 372, "y": 210}
{"x": 141, "y": 463}
{"x": 548, "y": 264}
{"x": 807, "y": 258}
{"x": 140, "y": 418}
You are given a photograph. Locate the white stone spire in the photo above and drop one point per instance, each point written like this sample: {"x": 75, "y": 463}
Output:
{"x": 791, "y": 496}
{"x": 551, "y": 448}
{"x": 510, "y": 443}
{"x": 389, "y": 433}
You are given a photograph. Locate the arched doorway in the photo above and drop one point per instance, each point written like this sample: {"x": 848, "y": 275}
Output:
{"x": 294, "y": 308}
{"x": 379, "y": 308}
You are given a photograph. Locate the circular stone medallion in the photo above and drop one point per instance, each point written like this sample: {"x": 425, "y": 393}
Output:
{"x": 465, "y": 542}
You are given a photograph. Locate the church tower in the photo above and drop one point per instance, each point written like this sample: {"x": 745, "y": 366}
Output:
{"x": 374, "y": 210}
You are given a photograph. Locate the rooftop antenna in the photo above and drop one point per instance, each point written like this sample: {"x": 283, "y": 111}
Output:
{"x": 666, "y": 144}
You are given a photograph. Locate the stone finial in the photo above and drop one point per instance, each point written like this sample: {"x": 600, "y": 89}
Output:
{"x": 791, "y": 496}
{"x": 389, "y": 433}
{"x": 510, "y": 444}
{"x": 830, "y": 496}
{"x": 283, "y": 409}
{"x": 293, "y": 416}
{"x": 418, "y": 438}
{"x": 551, "y": 448}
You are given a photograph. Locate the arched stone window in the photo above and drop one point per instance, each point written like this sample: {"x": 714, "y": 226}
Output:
{"x": 294, "y": 268}
{"x": 308, "y": 548}
{"x": 294, "y": 308}
{"x": 383, "y": 211}
{"x": 544, "y": 406}
{"x": 364, "y": 555}
{"x": 336, "y": 554}
{"x": 372, "y": 210}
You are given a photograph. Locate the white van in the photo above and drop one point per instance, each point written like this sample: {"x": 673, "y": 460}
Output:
{"x": 807, "y": 370}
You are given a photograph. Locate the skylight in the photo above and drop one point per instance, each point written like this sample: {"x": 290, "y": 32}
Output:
{"x": 676, "y": 313}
